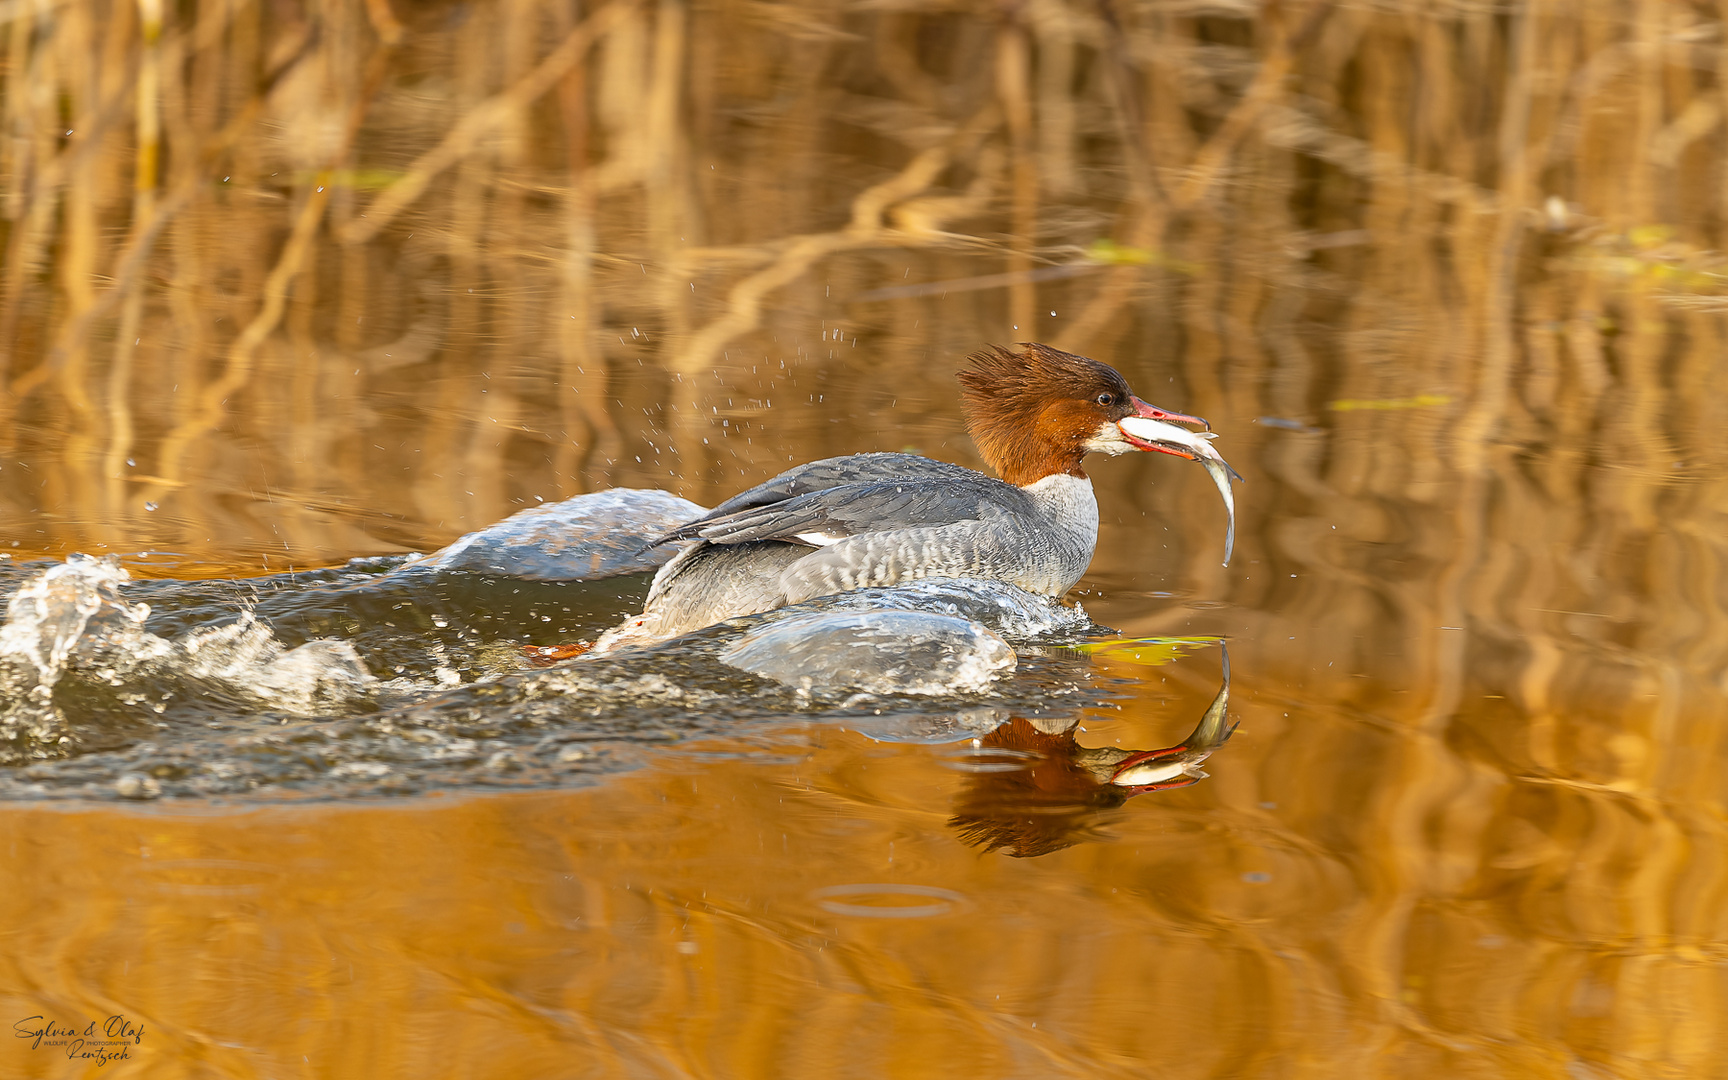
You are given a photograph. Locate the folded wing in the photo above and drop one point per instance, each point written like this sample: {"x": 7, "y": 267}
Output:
{"x": 826, "y": 517}
{"x": 829, "y": 500}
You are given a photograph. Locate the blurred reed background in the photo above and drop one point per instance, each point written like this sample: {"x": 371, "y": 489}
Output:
{"x": 322, "y": 278}
{"x": 327, "y": 278}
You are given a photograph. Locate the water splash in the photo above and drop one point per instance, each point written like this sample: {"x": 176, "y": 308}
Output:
{"x": 888, "y": 652}
{"x": 45, "y": 620}
{"x": 70, "y": 624}
{"x": 209, "y": 698}
{"x": 1007, "y": 609}
{"x": 48, "y": 614}
{"x": 588, "y": 537}
{"x": 318, "y": 676}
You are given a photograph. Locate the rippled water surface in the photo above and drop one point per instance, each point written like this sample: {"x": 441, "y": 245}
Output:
{"x": 292, "y": 292}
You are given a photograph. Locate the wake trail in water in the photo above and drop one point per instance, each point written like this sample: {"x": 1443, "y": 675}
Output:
{"x": 273, "y": 684}
{"x": 71, "y": 619}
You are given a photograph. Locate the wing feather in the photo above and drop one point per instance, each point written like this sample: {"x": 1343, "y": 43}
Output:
{"x": 781, "y": 507}
{"x": 856, "y": 509}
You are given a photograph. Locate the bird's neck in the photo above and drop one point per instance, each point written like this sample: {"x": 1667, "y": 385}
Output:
{"x": 1024, "y": 462}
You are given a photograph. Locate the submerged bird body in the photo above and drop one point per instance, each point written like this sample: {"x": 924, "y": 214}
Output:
{"x": 881, "y": 518}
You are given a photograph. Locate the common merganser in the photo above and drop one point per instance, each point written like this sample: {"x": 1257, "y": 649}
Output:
{"x": 880, "y": 518}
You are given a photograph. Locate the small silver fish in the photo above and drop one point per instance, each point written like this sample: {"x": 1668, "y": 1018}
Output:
{"x": 1196, "y": 446}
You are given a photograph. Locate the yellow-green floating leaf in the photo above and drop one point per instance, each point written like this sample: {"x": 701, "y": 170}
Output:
{"x": 1420, "y": 401}
{"x": 1147, "y": 651}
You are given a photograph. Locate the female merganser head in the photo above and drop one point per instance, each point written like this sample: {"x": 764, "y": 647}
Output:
{"x": 877, "y": 519}
{"x": 1038, "y": 412}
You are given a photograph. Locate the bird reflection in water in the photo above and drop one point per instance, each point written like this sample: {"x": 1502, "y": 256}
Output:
{"x": 1035, "y": 789}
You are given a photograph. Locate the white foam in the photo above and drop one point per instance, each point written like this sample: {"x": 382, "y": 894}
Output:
{"x": 48, "y": 613}
{"x": 882, "y": 652}
{"x": 72, "y": 617}
{"x": 1007, "y": 609}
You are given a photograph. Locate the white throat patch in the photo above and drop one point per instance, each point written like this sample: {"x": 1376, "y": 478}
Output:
{"x": 1107, "y": 440}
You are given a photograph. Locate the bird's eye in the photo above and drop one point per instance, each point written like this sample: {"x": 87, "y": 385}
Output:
{"x": 1106, "y": 399}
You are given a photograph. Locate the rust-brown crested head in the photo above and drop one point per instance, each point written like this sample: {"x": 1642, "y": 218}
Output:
{"x": 1033, "y": 411}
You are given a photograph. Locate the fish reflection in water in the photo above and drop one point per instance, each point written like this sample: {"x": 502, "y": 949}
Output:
{"x": 1034, "y": 789}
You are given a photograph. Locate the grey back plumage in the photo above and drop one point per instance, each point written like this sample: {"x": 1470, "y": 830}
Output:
{"x": 827, "y": 474}
{"x": 866, "y": 507}
{"x": 861, "y": 521}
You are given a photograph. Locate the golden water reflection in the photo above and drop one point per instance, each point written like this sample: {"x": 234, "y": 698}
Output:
{"x": 814, "y": 910}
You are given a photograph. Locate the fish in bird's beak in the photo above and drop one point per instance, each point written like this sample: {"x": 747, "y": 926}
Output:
{"x": 1178, "y": 766}
{"x": 1152, "y": 428}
